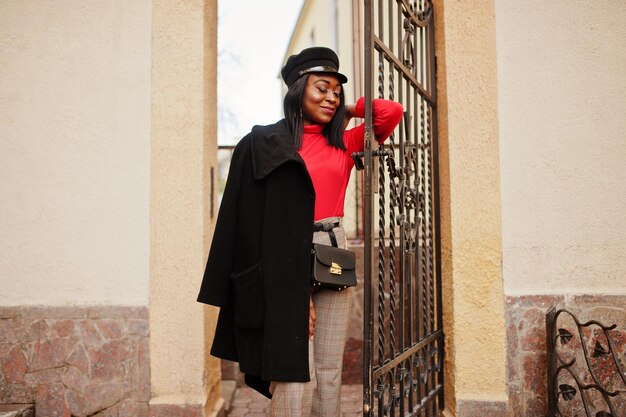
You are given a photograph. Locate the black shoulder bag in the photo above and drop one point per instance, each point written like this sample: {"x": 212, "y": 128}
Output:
{"x": 332, "y": 267}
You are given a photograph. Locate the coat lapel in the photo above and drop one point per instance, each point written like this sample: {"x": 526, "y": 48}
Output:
{"x": 271, "y": 148}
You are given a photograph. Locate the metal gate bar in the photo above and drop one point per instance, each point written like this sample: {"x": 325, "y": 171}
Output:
{"x": 403, "y": 336}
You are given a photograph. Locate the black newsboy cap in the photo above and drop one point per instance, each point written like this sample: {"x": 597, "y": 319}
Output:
{"x": 312, "y": 60}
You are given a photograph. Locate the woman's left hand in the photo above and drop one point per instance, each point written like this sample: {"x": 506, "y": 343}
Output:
{"x": 312, "y": 319}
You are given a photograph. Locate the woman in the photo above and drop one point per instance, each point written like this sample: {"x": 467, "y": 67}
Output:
{"x": 286, "y": 189}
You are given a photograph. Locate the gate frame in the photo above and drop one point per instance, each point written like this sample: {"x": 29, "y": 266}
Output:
{"x": 368, "y": 193}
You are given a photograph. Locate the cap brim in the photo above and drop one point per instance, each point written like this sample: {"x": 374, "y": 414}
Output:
{"x": 342, "y": 78}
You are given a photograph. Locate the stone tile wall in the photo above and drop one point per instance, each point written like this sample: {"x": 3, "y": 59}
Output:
{"x": 527, "y": 348}
{"x": 78, "y": 361}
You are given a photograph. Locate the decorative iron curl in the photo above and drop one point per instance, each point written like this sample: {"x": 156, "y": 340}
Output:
{"x": 418, "y": 16}
{"x": 407, "y": 53}
{"x": 557, "y": 365}
{"x": 567, "y": 392}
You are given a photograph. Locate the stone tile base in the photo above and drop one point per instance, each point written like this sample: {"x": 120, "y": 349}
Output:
{"x": 176, "y": 410}
{"x": 185, "y": 409}
{"x": 466, "y": 408}
{"x": 76, "y": 361}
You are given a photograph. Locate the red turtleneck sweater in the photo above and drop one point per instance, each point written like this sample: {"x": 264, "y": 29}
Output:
{"x": 330, "y": 167}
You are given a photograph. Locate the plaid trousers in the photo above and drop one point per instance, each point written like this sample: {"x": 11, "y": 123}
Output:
{"x": 321, "y": 396}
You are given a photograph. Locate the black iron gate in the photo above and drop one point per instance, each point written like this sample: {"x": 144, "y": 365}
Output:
{"x": 403, "y": 336}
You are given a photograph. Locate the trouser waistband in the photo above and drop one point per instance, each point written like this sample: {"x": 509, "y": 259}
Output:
{"x": 327, "y": 226}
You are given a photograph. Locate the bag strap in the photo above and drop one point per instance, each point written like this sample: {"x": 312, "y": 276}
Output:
{"x": 328, "y": 228}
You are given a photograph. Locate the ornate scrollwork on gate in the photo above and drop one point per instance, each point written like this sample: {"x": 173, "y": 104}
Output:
{"x": 403, "y": 372}
{"x": 585, "y": 373}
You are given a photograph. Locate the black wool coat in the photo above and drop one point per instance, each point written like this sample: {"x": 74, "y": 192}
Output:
{"x": 258, "y": 269}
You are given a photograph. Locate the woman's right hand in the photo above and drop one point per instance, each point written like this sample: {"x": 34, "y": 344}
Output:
{"x": 312, "y": 318}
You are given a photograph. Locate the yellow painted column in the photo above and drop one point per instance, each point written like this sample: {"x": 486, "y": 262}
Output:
{"x": 184, "y": 162}
{"x": 471, "y": 215}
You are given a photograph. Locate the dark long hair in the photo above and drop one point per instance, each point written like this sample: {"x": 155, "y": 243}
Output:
{"x": 292, "y": 106}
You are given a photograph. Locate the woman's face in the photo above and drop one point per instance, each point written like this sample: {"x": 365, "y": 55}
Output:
{"x": 322, "y": 96}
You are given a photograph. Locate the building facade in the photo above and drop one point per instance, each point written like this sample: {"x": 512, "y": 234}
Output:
{"x": 108, "y": 149}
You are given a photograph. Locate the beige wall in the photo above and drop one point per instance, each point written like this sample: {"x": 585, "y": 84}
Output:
{"x": 470, "y": 205}
{"x": 74, "y": 152}
{"x": 184, "y": 143}
{"x": 562, "y": 116}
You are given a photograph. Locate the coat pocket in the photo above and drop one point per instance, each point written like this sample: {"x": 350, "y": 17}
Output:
{"x": 249, "y": 298}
